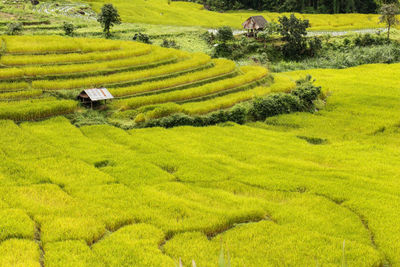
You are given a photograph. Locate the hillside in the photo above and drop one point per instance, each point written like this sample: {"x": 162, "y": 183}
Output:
{"x": 42, "y": 75}
{"x": 271, "y": 156}
{"x": 301, "y": 189}
{"x": 163, "y": 12}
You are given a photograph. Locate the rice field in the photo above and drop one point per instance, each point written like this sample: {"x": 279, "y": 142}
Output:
{"x": 136, "y": 74}
{"x": 192, "y": 14}
{"x": 302, "y": 189}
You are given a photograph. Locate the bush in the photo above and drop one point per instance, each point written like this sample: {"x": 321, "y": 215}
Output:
{"x": 141, "y": 37}
{"x": 68, "y": 28}
{"x": 14, "y": 28}
{"x": 222, "y": 50}
{"x": 306, "y": 92}
{"x": 169, "y": 44}
{"x": 364, "y": 40}
{"x": 224, "y": 34}
{"x": 274, "y": 105}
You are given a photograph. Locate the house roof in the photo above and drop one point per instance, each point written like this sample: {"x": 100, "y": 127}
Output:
{"x": 96, "y": 94}
{"x": 255, "y": 22}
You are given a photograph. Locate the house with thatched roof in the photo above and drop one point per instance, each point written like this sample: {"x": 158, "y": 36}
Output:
{"x": 254, "y": 24}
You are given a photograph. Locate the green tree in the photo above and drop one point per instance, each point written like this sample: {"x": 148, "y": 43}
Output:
{"x": 388, "y": 16}
{"x": 293, "y": 31}
{"x": 108, "y": 17}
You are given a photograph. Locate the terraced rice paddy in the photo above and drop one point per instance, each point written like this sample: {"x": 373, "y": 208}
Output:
{"x": 299, "y": 190}
{"x": 192, "y": 14}
{"x": 138, "y": 75}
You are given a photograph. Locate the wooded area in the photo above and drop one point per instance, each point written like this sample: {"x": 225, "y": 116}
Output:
{"x": 304, "y": 6}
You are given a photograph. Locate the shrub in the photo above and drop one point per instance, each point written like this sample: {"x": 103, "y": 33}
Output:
{"x": 364, "y": 40}
{"x": 141, "y": 37}
{"x": 169, "y": 44}
{"x": 222, "y": 50}
{"x": 14, "y": 28}
{"x": 274, "y": 105}
{"x": 68, "y": 28}
{"x": 306, "y": 92}
{"x": 224, "y": 34}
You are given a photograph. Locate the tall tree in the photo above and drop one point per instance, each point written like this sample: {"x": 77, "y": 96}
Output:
{"x": 293, "y": 31}
{"x": 108, "y": 17}
{"x": 388, "y": 16}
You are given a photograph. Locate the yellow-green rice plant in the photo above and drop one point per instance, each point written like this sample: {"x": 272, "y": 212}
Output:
{"x": 159, "y": 111}
{"x": 33, "y": 110}
{"x": 250, "y": 74}
{"x": 133, "y": 245}
{"x": 56, "y": 44}
{"x": 8, "y": 73}
{"x": 125, "y": 52}
{"x": 13, "y": 86}
{"x": 34, "y": 71}
{"x": 70, "y": 253}
{"x": 15, "y": 223}
{"x": 20, "y": 94}
{"x": 281, "y": 84}
{"x": 58, "y": 228}
{"x": 197, "y": 60}
{"x": 276, "y": 240}
{"x": 221, "y": 66}
{"x": 19, "y": 252}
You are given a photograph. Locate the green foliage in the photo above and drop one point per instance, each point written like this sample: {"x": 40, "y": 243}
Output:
{"x": 169, "y": 44}
{"x": 224, "y": 34}
{"x": 314, "y": 6}
{"x": 388, "y": 16}
{"x": 293, "y": 31}
{"x": 270, "y": 29}
{"x": 68, "y": 28}
{"x": 141, "y": 37}
{"x": 345, "y": 55}
{"x": 14, "y": 28}
{"x": 300, "y": 99}
{"x": 364, "y": 40}
{"x": 108, "y": 17}
{"x": 88, "y": 117}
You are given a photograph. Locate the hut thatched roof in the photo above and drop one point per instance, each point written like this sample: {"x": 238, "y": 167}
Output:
{"x": 255, "y": 23}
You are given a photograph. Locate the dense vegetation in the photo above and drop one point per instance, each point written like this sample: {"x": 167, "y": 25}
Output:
{"x": 304, "y": 6}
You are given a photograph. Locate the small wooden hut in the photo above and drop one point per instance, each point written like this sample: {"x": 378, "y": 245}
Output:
{"x": 254, "y": 24}
{"x": 89, "y": 96}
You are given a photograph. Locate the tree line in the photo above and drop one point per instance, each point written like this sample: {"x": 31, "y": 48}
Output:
{"x": 303, "y": 6}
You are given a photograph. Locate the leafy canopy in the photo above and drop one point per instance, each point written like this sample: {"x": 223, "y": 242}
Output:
{"x": 108, "y": 17}
{"x": 388, "y": 15}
